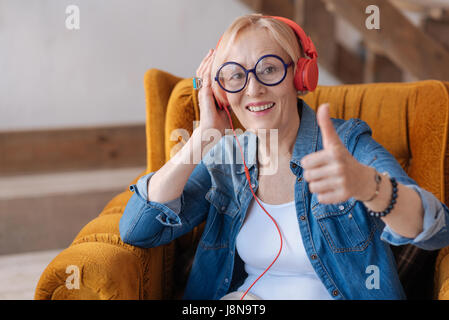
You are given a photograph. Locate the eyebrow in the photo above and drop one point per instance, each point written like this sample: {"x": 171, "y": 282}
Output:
{"x": 277, "y": 54}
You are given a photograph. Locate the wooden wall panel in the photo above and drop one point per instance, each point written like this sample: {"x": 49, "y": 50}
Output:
{"x": 72, "y": 149}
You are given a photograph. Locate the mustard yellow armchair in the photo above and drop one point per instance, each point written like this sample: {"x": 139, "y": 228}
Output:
{"x": 409, "y": 119}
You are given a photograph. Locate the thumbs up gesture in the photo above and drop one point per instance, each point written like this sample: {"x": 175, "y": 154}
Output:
{"x": 333, "y": 173}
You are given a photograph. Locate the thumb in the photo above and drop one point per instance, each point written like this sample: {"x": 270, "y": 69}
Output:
{"x": 328, "y": 133}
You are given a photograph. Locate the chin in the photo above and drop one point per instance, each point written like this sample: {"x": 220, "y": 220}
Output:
{"x": 268, "y": 126}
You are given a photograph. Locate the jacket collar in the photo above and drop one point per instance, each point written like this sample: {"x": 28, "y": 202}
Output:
{"x": 306, "y": 140}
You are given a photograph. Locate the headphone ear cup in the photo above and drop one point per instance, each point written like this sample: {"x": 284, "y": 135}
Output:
{"x": 310, "y": 74}
{"x": 299, "y": 82}
{"x": 306, "y": 77}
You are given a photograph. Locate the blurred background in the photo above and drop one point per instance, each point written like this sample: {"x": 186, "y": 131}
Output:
{"x": 72, "y": 102}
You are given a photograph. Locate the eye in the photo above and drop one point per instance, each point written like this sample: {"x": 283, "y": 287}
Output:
{"x": 237, "y": 76}
{"x": 269, "y": 70}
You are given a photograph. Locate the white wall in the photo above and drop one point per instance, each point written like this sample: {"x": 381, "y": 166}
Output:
{"x": 52, "y": 77}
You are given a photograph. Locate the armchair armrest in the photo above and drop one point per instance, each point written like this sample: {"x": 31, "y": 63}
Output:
{"x": 108, "y": 267}
{"x": 105, "y": 270}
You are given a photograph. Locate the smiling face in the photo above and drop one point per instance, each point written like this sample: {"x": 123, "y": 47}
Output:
{"x": 249, "y": 45}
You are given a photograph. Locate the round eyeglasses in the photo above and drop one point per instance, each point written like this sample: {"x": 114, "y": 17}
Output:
{"x": 269, "y": 70}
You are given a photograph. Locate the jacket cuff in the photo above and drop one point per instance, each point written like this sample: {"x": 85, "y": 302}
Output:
{"x": 166, "y": 216}
{"x": 142, "y": 186}
{"x": 433, "y": 222}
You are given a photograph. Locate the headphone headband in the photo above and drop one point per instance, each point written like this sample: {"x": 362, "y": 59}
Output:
{"x": 306, "y": 42}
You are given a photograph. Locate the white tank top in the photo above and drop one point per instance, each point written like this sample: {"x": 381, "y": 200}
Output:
{"x": 292, "y": 276}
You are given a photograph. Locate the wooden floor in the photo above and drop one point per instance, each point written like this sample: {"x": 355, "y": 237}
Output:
{"x": 19, "y": 273}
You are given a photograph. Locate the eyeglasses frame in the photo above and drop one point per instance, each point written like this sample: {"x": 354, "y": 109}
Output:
{"x": 253, "y": 70}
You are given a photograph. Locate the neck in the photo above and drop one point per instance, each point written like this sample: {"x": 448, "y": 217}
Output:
{"x": 276, "y": 145}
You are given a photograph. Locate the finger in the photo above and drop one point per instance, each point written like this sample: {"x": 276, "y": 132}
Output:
{"x": 207, "y": 72}
{"x": 332, "y": 197}
{"x": 328, "y": 133}
{"x": 200, "y": 69}
{"x": 316, "y": 159}
{"x": 321, "y": 173}
{"x": 325, "y": 185}
{"x": 203, "y": 73}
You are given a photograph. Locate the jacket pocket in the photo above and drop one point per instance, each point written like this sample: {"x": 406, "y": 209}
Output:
{"x": 223, "y": 202}
{"x": 223, "y": 209}
{"x": 346, "y": 226}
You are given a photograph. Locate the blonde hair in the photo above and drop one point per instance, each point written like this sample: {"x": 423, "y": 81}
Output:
{"x": 280, "y": 31}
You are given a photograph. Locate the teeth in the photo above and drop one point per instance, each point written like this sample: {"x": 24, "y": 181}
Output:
{"x": 260, "y": 108}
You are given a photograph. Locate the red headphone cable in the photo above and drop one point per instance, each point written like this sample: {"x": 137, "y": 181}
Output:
{"x": 252, "y": 191}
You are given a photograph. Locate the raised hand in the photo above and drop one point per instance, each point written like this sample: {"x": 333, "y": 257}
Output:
{"x": 333, "y": 173}
{"x": 210, "y": 116}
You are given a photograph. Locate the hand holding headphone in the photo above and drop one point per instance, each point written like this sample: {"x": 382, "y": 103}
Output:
{"x": 210, "y": 116}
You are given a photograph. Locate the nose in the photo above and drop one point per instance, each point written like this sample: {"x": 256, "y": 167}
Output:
{"x": 254, "y": 87}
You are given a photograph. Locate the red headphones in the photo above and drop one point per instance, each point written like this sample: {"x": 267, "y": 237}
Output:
{"x": 306, "y": 76}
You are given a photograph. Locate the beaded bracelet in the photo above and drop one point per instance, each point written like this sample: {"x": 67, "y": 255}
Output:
{"x": 394, "y": 195}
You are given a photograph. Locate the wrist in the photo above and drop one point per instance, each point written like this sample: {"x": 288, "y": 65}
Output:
{"x": 372, "y": 181}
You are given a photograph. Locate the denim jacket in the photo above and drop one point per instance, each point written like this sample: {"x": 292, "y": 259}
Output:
{"x": 348, "y": 248}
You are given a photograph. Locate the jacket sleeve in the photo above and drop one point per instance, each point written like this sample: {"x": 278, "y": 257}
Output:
{"x": 150, "y": 224}
{"x": 435, "y": 233}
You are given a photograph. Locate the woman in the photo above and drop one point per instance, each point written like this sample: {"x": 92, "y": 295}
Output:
{"x": 336, "y": 214}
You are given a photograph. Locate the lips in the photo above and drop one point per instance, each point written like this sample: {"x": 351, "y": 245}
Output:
{"x": 257, "y": 104}
{"x": 261, "y": 108}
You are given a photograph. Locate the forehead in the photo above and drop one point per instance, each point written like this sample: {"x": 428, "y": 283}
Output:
{"x": 252, "y": 43}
